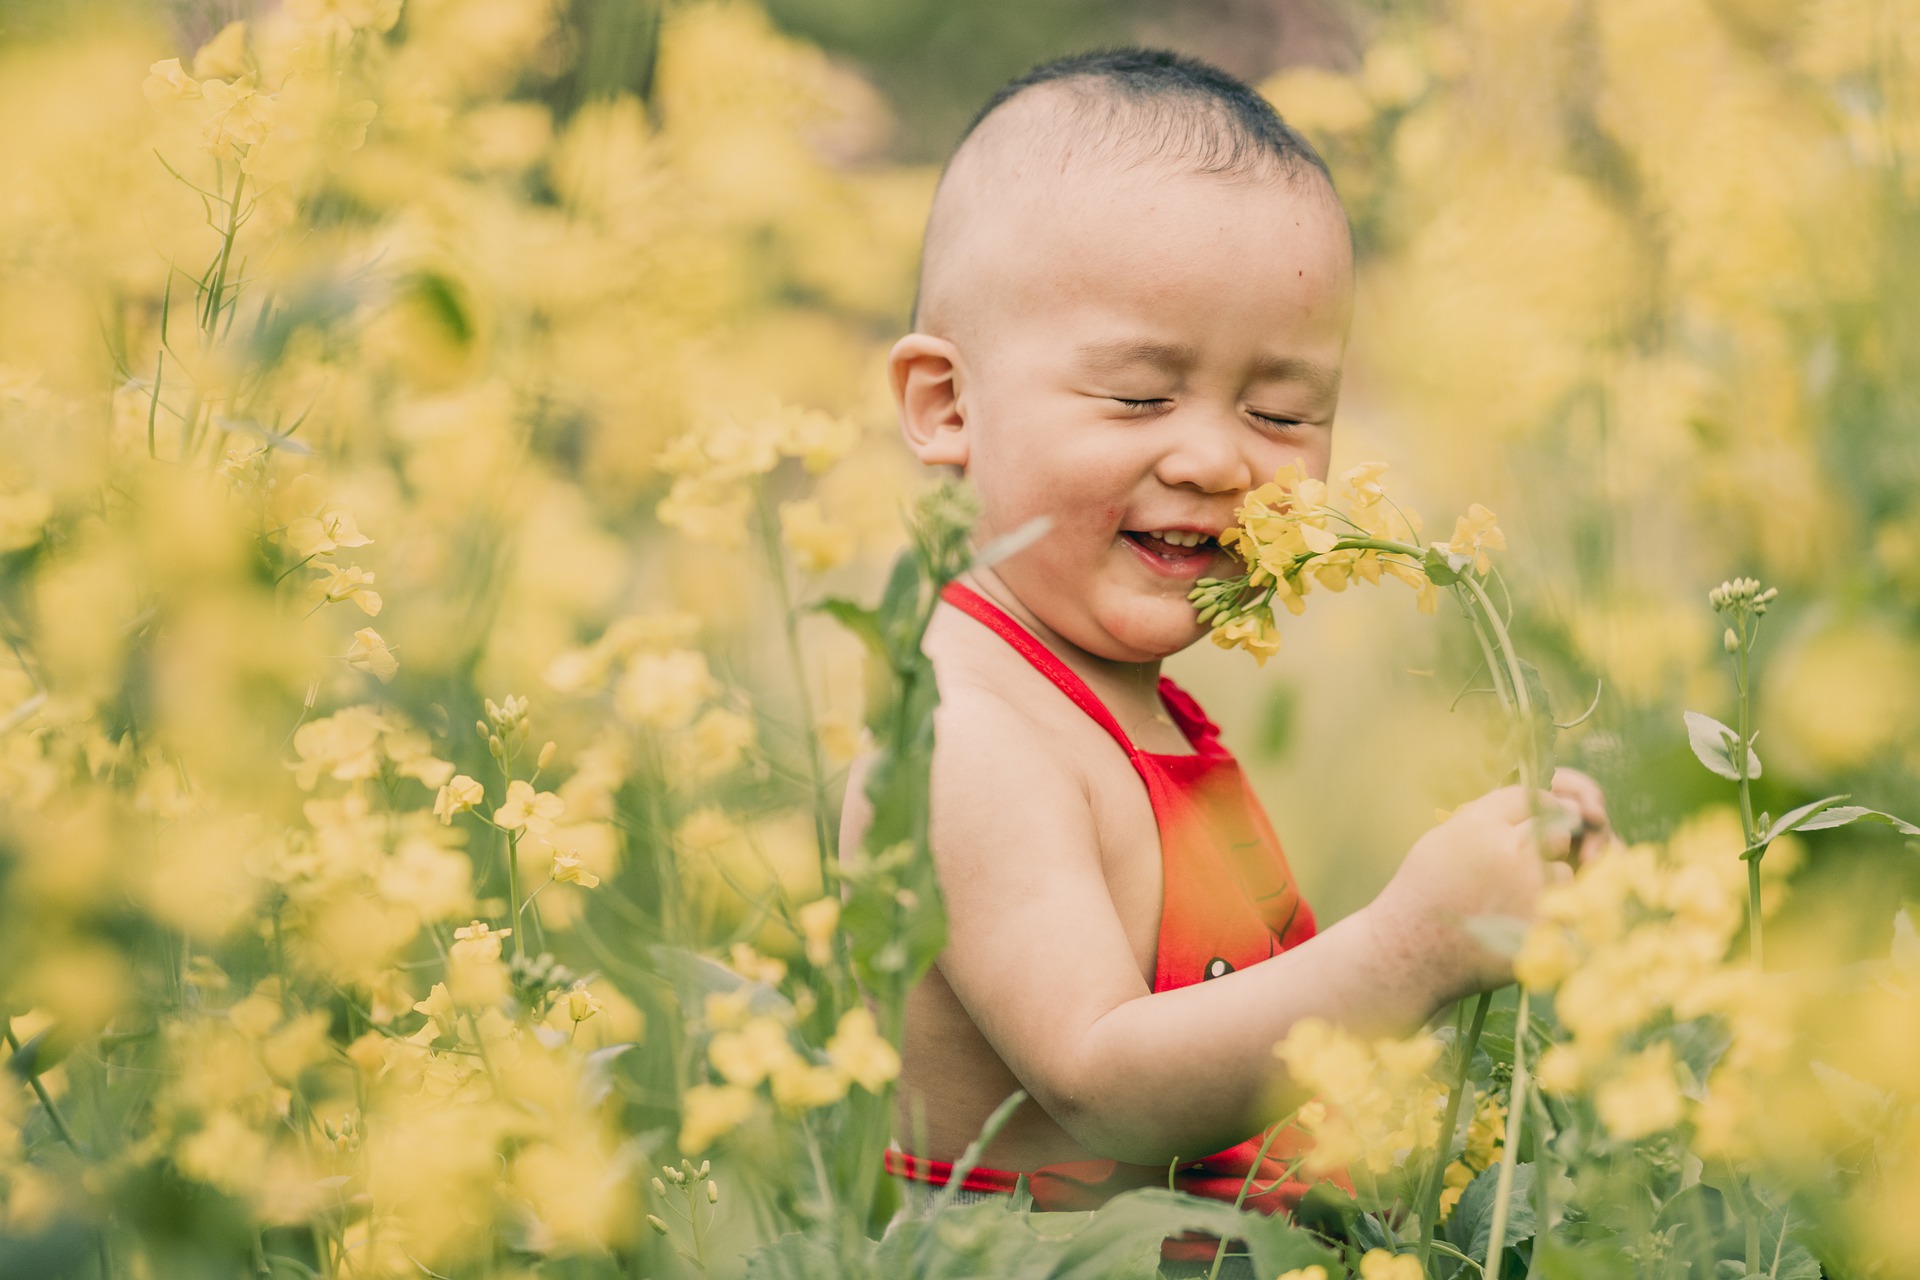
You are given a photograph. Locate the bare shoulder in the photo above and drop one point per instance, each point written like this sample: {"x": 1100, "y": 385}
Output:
{"x": 1002, "y": 748}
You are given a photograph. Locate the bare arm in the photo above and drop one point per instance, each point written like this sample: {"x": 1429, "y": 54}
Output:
{"x": 1039, "y": 958}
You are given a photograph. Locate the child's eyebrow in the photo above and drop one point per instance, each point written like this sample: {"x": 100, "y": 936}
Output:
{"x": 1178, "y": 357}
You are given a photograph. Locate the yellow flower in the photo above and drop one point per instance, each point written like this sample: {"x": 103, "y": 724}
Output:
{"x": 456, "y": 797}
{"x": 536, "y": 811}
{"x": 238, "y": 117}
{"x": 664, "y": 690}
{"x": 749, "y": 1055}
{"x": 1314, "y": 1272}
{"x": 858, "y": 1049}
{"x": 317, "y": 535}
{"x": 478, "y": 941}
{"x": 1473, "y": 534}
{"x": 817, "y": 543}
{"x": 709, "y": 1112}
{"x": 169, "y": 82}
{"x": 1642, "y": 1096}
{"x": 799, "y": 1085}
{"x": 342, "y": 746}
{"x": 717, "y": 741}
{"x": 1255, "y": 633}
{"x": 225, "y": 1153}
{"x": 567, "y": 869}
{"x": 351, "y": 583}
{"x": 818, "y": 920}
{"x": 728, "y": 1010}
{"x": 753, "y": 966}
{"x": 1378, "y": 1264}
{"x": 370, "y": 653}
{"x": 581, "y": 1003}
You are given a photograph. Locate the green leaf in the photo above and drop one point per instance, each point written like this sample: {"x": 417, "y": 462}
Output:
{"x": 1712, "y": 744}
{"x": 863, "y": 622}
{"x": 1436, "y": 566}
{"x": 1470, "y": 1229}
{"x": 1796, "y": 820}
{"x": 804, "y": 1257}
{"x": 1841, "y": 815}
{"x": 1553, "y": 1260}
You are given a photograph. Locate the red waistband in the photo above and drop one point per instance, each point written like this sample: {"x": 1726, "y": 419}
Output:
{"x": 940, "y": 1172}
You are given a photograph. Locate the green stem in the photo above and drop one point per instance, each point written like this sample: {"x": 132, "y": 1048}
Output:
{"x": 1246, "y": 1183}
{"x": 513, "y": 891}
{"x": 1516, "y": 1109}
{"x": 40, "y": 1091}
{"x": 1529, "y": 758}
{"x": 1430, "y": 1197}
{"x": 796, "y": 656}
{"x": 219, "y": 286}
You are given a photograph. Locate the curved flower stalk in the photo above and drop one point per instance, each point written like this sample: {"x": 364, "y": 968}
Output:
{"x": 1292, "y": 539}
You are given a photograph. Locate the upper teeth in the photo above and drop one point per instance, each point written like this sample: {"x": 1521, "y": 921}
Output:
{"x": 1181, "y": 537}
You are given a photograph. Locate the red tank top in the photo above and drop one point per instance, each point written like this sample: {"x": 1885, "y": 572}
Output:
{"x": 1229, "y": 901}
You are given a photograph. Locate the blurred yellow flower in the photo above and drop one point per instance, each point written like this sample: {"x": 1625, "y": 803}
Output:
{"x": 581, "y": 1003}
{"x": 167, "y": 81}
{"x": 798, "y": 1085}
{"x": 370, "y": 653}
{"x": 1379, "y": 1264}
{"x": 817, "y": 543}
{"x": 336, "y": 583}
{"x": 316, "y": 535}
{"x": 525, "y": 808}
{"x": 664, "y": 690}
{"x": 237, "y": 117}
{"x": 458, "y": 796}
{"x": 709, "y": 1112}
{"x": 858, "y": 1049}
{"x": 751, "y": 1054}
{"x": 568, "y": 869}
{"x": 818, "y": 921}
{"x": 1641, "y": 1096}
{"x": 224, "y": 56}
{"x": 478, "y": 940}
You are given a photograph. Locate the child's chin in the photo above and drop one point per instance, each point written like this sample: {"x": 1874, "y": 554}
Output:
{"x": 1156, "y": 628}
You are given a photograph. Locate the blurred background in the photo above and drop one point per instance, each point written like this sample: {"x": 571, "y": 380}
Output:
{"x": 579, "y": 309}
{"x": 1639, "y": 275}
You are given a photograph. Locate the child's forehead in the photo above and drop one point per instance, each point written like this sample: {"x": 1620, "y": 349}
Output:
{"x": 1039, "y": 203}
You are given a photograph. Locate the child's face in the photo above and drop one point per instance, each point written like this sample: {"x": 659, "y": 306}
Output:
{"x": 1149, "y": 348}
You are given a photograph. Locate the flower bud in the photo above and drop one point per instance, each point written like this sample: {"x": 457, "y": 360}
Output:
{"x": 1730, "y": 641}
{"x": 706, "y": 1166}
{"x": 713, "y": 1192}
{"x": 659, "y": 1187}
{"x": 546, "y": 755}
{"x": 495, "y": 747}
{"x": 480, "y": 727}
{"x": 657, "y": 1224}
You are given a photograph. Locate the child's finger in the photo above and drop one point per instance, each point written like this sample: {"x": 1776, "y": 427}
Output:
{"x": 1571, "y": 784}
{"x": 1552, "y": 835}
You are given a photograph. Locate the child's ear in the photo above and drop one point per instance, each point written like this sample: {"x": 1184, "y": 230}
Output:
{"x": 925, "y": 373}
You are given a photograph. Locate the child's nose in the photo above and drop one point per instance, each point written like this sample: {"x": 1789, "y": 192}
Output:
{"x": 1207, "y": 453}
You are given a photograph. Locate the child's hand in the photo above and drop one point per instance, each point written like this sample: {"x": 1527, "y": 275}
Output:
{"x": 1491, "y": 858}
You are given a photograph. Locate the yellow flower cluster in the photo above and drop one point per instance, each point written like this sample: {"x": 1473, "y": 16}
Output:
{"x": 750, "y": 1049}
{"x": 1634, "y": 946}
{"x": 1374, "y": 1105}
{"x": 1291, "y": 536}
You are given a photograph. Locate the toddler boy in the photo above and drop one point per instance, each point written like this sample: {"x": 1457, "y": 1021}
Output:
{"x": 1134, "y": 303}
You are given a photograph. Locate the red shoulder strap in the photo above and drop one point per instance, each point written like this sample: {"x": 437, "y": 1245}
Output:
{"x": 995, "y": 619}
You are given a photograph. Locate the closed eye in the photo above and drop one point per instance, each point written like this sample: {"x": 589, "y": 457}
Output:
{"x": 1278, "y": 422}
{"x": 1137, "y": 404}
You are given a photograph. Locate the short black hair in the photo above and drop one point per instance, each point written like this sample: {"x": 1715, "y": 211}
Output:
{"x": 1191, "y": 99}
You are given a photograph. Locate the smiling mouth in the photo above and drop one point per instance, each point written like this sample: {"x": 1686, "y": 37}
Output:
{"x": 1175, "y": 546}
